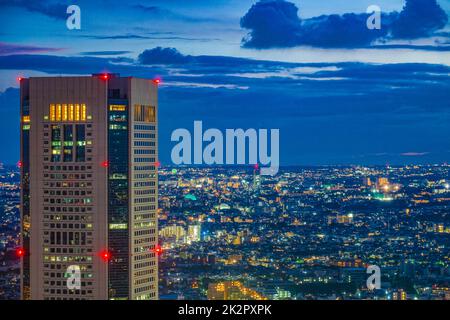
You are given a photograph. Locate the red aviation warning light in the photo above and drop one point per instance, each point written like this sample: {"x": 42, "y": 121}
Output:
{"x": 256, "y": 167}
{"x": 19, "y": 79}
{"x": 158, "y": 250}
{"x": 19, "y": 164}
{"x": 105, "y": 164}
{"x": 105, "y": 76}
{"x": 157, "y": 164}
{"x": 20, "y": 252}
{"x": 105, "y": 255}
{"x": 157, "y": 81}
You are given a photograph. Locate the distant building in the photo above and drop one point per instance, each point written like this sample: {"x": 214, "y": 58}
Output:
{"x": 194, "y": 233}
{"x": 341, "y": 219}
{"x": 367, "y": 182}
{"x": 399, "y": 295}
{"x": 232, "y": 290}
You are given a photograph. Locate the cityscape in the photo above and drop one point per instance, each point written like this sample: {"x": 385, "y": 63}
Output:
{"x": 308, "y": 233}
{"x": 185, "y": 153}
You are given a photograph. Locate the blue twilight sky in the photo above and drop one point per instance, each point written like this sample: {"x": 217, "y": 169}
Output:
{"x": 339, "y": 92}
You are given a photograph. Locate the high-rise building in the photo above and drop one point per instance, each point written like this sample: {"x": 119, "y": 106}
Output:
{"x": 367, "y": 182}
{"x": 194, "y": 233}
{"x": 400, "y": 294}
{"x": 89, "y": 193}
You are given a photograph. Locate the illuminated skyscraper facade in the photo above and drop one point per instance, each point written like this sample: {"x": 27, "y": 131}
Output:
{"x": 89, "y": 187}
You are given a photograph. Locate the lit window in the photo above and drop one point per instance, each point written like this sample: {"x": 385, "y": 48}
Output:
{"x": 83, "y": 112}
{"x": 144, "y": 113}
{"x": 64, "y": 112}
{"x": 52, "y": 112}
{"x": 71, "y": 112}
{"x": 58, "y": 112}
{"x": 77, "y": 112}
{"x": 67, "y": 112}
{"x": 117, "y": 107}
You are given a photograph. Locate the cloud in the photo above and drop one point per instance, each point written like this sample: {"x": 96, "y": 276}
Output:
{"x": 150, "y": 36}
{"x": 57, "y": 64}
{"x": 330, "y": 121}
{"x": 161, "y": 55}
{"x": 418, "y": 19}
{"x": 150, "y": 9}
{"x": 103, "y": 53}
{"x": 51, "y": 9}
{"x": 440, "y": 48}
{"x": 163, "y": 13}
{"x": 204, "y": 85}
{"x": 276, "y": 24}
{"x": 127, "y": 36}
{"x": 272, "y": 24}
{"x": 9, "y": 48}
{"x": 414, "y": 154}
{"x": 296, "y": 73}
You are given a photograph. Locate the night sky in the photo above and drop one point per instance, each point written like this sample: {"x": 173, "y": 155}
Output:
{"x": 338, "y": 92}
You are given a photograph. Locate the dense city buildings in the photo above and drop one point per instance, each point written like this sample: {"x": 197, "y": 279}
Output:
{"x": 307, "y": 233}
{"x": 89, "y": 187}
{"x": 9, "y": 232}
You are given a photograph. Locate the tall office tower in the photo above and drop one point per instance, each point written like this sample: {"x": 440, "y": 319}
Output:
{"x": 89, "y": 187}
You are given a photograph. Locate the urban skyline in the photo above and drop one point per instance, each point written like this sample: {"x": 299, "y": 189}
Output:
{"x": 225, "y": 150}
{"x": 308, "y": 233}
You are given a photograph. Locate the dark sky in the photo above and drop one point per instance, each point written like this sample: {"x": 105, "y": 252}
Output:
{"x": 338, "y": 92}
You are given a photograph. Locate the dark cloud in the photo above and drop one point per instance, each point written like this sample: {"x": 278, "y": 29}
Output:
{"x": 272, "y": 24}
{"x": 54, "y": 10}
{"x": 10, "y": 48}
{"x": 335, "y": 31}
{"x": 150, "y": 36}
{"x": 163, "y": 56}
{"x": 127, "y": 36}
{"x": 275, "y": 23}
{"x": 418, "y": 19}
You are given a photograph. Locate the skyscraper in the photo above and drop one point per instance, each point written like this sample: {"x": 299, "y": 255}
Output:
{"x": 89, "y": 163}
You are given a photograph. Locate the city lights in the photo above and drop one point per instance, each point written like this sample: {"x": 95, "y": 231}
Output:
{"x": 105, "y": 255}
{"x": 20, "y": 252}
{"x": 210, "y": 157}
{"x": 158, "y": 250}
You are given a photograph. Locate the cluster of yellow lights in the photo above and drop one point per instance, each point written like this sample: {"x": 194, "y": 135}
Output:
{"x": 220, "y": 287}
{"x": 68, "y": 112}
{"x": 117, "y": 107}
